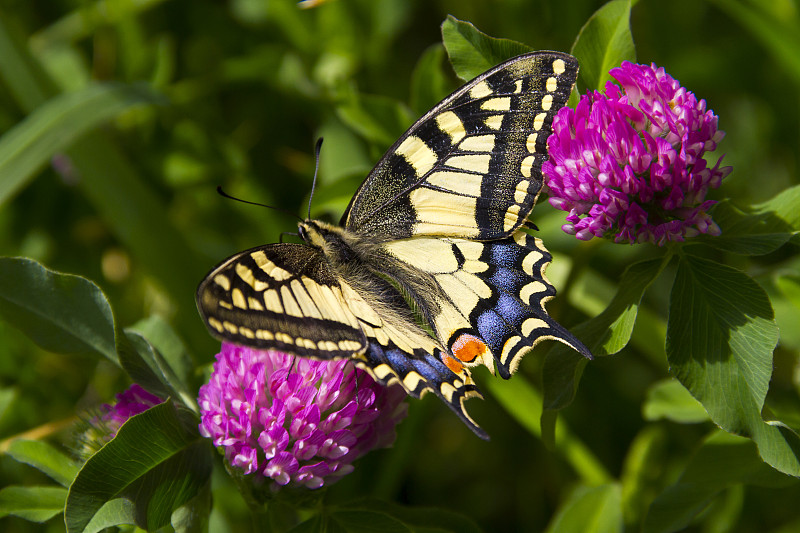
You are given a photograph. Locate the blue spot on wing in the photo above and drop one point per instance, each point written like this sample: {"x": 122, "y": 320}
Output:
{"x": 511, "y": 309}
{"x": 507, "y": 279}
{"x": 493, "y": 330}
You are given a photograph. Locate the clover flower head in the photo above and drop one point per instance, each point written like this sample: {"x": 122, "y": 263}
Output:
{"x": 100, "y": 425}
{"x": 629, "y": 164}
{"x": 297, "y": 421}
{"x": 130, "y": 402}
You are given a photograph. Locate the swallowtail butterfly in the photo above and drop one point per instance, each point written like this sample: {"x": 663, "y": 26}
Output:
{"x": 430, "y": 271}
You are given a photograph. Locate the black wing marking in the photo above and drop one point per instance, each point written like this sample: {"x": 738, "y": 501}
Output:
{"x": 285, "y": 297}
{"x": 490, "y": 305}
{"x": 280, "y": 297}
{"x": 399, "y": 351}
{"x": 471, "y": 167}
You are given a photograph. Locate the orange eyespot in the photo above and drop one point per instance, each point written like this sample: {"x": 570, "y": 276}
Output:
{"x": 468, "y": 347}
{"x": 452, "y": 364}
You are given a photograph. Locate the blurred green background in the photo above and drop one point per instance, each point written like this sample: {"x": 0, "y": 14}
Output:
{"x": 238, "y": 91}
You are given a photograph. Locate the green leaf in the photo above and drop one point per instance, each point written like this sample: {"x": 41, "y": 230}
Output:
{"x": 53, "y": 127}
{"x": 789, "y": 285}
{"x": 130, "y": 207}
{"x": 378, "y": 119}
{"x": 145, "y": 365}
{"x": 643, "y": 470}
{"x": 604, "y": 42}
{"x": 154, "y": 461}
{"x": 37, "y": 504}
{"x": 746, "y": 234}
{"x": 168, "y": 344}
{"x": 605, "y": 334}
{"x": 472, "y": 52}
{"x": 429, "y": 85}
{"x": 670, "y": 400}
{"x": 193, "y": 516}
{"x": 45, "y": 458}
{"x": 723, "y": 461}
{"x": 113, "y": 513}
{"x": 720, "y": 338}
{"x": 19, "y": 72}
{"x": 8, "y": 396}
{"x": 365, "y": 521}
{"x": 419, "y": 518}
{"x": 138, "y": 217}
{"x": 783, "y": 210}
{"x": 59, "y": 312}
{"x": 590, "y": 510}
{"x": 342, "y": 155}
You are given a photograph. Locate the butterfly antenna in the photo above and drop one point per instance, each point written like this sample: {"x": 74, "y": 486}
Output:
{"x": 317, "y": 149}
{"x": 226, "y": 195}
{"x": 280, "y": 239}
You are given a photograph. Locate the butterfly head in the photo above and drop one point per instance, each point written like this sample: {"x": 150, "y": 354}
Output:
{"x": 313, "y": 232}
{"x": 335, "y": 242}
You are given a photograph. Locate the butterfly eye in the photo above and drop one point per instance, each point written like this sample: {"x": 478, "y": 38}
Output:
{"x": 303, "y": 233}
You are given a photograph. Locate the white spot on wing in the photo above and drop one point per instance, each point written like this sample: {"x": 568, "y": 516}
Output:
{"x": 238, "y": 299}
{"x": 471, "y": 162}
{"x": 538, "y": 121}
{"x": 497, "y": 104}
{"x": 531, "y": 142}
{"x": 441, "y": 212}
{"x": 289, "y": 303}
{"x": 481, "y": 90}
{"x": 449, "y": 123}
{"x": 460, "y": 182}
{"x": 526, "y": 167}
{"x": 418, "y": 155}
{"x": 494, "y": 122}
{"x": 430, "y": 255}
{"x": 223, "y": 281}
{"x": 531, "y": 324}
{"x": 478, "y": 143}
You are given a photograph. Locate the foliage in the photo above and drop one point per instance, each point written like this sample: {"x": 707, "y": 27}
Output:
{"x": 120, "y": 118}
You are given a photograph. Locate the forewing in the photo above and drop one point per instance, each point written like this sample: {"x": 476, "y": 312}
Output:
{"x": 471, "y": 167}
{"x": 490, "y": 308}
{"x": 280, "y": 297}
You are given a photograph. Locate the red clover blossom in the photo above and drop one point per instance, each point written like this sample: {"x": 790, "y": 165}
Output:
{"x": 295, "y": 420}
{"x": 629, "y": 163}
{"x": 131, "y": 402}
{"x": 102, "y": 424}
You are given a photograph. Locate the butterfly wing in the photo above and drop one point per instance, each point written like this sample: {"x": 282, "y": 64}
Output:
{"x": 286, "y": 297}
{"x": 471, "y": 166}
{"x": 281, "y": 297}
{"x": 399, "y": 351}
{"x": 467, "y": 172}
{"x": 490, "y": 304}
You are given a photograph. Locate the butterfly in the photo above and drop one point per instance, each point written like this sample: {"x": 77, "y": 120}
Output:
{"x": 430, "y": 271}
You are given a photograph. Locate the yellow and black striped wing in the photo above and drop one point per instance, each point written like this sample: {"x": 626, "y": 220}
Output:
{"x": 490, "y": 306}
{"x": 471, "y": 167}
{"x": 281, "y": 297}
{"x": 398, "y": 351}
{"x": 285, "y": 297}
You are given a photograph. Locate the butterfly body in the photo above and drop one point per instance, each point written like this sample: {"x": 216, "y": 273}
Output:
{"x": 430, "y": 271}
